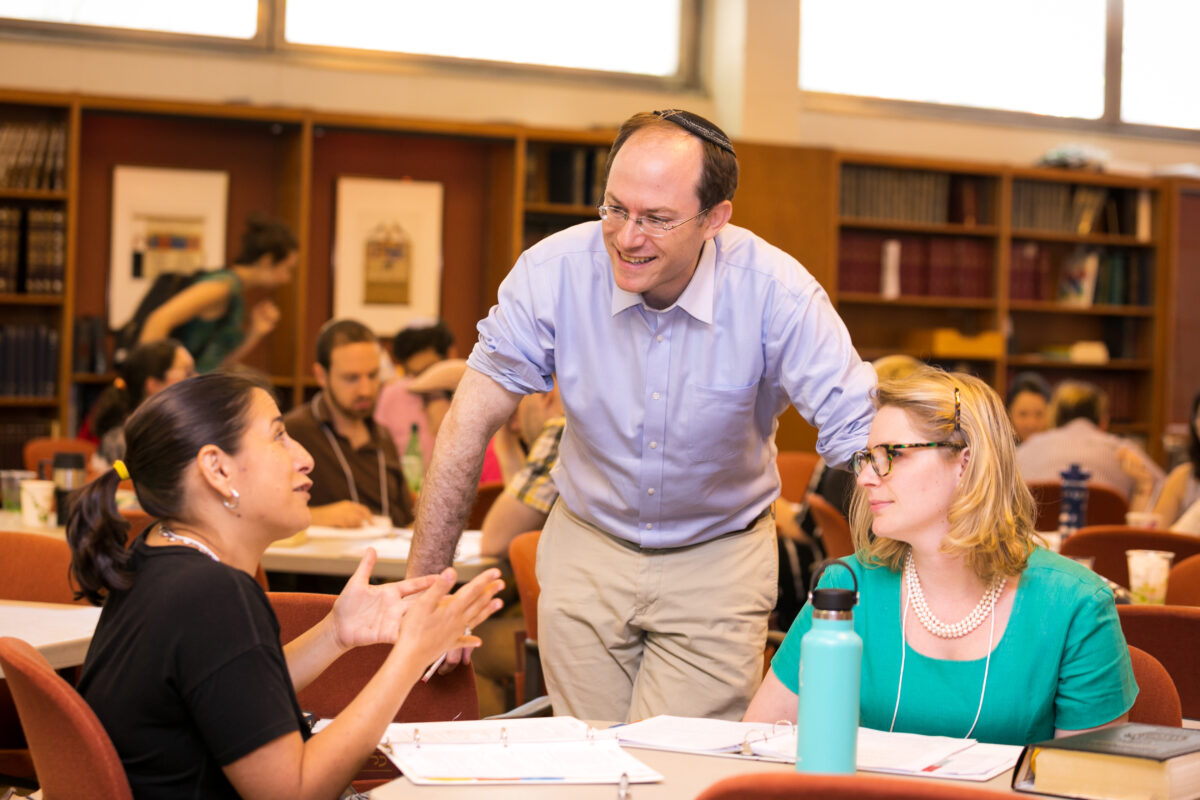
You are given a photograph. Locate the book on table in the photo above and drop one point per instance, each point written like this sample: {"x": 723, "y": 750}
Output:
{"x": 1121, "y": 762}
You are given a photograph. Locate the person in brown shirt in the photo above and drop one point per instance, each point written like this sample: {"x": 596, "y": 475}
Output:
{"x": 357, "y": 470}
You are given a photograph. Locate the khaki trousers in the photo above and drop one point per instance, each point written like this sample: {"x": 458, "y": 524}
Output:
{"x": 626, "y": 633}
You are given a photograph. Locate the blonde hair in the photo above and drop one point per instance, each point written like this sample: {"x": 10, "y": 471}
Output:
{"x": 991, "y": 515}
{"x": 895, "y": 366}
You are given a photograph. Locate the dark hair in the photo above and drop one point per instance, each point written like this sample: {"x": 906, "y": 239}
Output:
{"x": 1078, "y": 400}
{"x": 147, "y": 360}
{"x": 338, "y": 332}
{"x": 1193, "y": 440}
{"x": 719, "y": 174}
{"x": 1027, "y": 382}
{"x": 410, "y": 341}
{"x": 266, "y": 236}
{"x": 162, "y": 438}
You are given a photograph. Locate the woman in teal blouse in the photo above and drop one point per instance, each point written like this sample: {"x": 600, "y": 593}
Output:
{"x": 969, "y": 629}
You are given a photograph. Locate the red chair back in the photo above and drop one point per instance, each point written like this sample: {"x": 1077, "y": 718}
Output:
{"x": 835, "y": 529}
{"x": 42, "y": 449}
{"x": 1172, "y": 635}
{"x": 449, "y": 696}
{"x": 72, "y": 753}
{"x": 484, "y": 497}
{"x": 795, "y": 473}
{"x": 1158, "y": 700}
{"x": 36, "y": 568}
{"x": 1107, "y": 545}
{"x": 1183, "y": 584}
{"x": 1106, "y": 506}
{"x": 788, "y": 785}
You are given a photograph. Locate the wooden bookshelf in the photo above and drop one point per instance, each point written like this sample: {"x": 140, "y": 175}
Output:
{"x": 1181, "y": 287}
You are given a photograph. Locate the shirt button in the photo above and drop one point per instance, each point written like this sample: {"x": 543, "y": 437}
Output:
{"x": 659, "y": 337}
{"x": 648, "y": 526}
{"x": 650, "y": 491}
{"x": 654, "y": 396}
{"x": 654, "y": 445}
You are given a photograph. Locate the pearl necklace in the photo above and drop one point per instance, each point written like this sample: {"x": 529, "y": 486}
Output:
{"x": 172, "y": 536}
{"x": 987, "y": 604}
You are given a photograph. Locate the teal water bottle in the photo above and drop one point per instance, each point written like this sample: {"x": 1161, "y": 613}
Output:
{"x": 830, "y": 666}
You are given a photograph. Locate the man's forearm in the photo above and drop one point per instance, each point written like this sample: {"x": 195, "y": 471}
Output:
{"x": 480, "y": 406}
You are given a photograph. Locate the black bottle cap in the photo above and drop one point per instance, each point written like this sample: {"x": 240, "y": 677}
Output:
{"x": 68, "y": 461}
{"x": 833, "y": 599}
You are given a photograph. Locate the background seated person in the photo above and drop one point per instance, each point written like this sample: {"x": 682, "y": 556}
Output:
{"x": 1181, "y": 490}
{"x": 414, "y": 350}
{"x": 208, "y": 317}
{"x": 436, "y": 386}
{"x": 185, "y": 670}
{"x": 1032, "y": 647}
{"x": 1029, "y": 404}
{"x": 357, "y": 469}
{"x": 1079, "y": 413}
{"x": 147, "y": 370}
{"x": 527, "y": 447}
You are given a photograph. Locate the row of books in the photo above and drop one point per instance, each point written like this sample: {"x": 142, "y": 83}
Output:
{"x": 1081, "y": 276}
{"x": 572, "y": 175}
{"x": 33, "y": 155}
{"x": 33, "y": 249}
{"x": 90, "y": 346}
{"x": 1124, "y": 390}
{"x": 908, "y": 195}
{"x": 927, "y": 266}
{"x": 13, "y": 436}
{"x": 1082, "y": 209}
{"x": 28, "y": 360}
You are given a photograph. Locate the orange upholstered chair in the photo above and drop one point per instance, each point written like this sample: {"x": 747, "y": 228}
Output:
{"x": 71, "y": 751}
{"x": 835, "y": 529}
{"x": 1158, "y": 700}
{"x": 1172, "y": 635}
{"x": 1183, "y": 585}
{"x": 788, "y": 785}
{"x": 1107, "y": 545}
{"x": 522, "y": 554}
{"x": 1106, "y": 506}
{"x": 484, "y": 497}
{"x": 43, "y": 448}
{"x": 449, "y": 696}
{"x": 795, "y": 473}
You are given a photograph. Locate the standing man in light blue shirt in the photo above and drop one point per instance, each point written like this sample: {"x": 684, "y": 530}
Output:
{"x": 677, "y": 340}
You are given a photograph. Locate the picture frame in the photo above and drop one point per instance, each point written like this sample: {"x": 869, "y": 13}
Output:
{"x": 387, "y": 254}
{"x": 163, "y": 220}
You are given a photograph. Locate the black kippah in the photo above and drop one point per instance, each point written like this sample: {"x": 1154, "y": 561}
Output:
{"x": 697, "y": 126}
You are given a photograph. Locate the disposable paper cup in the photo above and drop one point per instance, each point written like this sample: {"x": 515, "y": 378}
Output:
{"x": 1143, "y": 519}
{"x": 1148, "y": 571}
{"x": 37, "y": 503}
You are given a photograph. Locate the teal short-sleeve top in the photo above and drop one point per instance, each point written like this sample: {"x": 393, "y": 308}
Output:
{"x": 1061, "y": 662}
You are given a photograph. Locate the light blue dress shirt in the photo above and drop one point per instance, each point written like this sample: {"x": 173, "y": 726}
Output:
{"x": 671, "y": 414}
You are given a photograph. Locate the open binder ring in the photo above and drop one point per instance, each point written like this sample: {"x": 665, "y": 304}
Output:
{"x": 757, "y": 736}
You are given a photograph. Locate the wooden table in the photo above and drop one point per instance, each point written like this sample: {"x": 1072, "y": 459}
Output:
{"x": 684, "y": 776}
{"x": 339, "y": 556}
{"x": 61, "y": 633}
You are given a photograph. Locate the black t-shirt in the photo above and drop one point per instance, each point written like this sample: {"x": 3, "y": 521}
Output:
{"x": 186, "y": 673}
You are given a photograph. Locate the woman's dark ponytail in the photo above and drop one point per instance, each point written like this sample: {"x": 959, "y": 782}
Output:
{"x": 97, "y": 533}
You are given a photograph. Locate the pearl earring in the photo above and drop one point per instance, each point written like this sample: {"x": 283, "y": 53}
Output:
{"x": 232, "y": 504}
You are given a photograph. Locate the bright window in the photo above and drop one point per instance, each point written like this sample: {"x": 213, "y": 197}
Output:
{"x": 1160, "y": 84}
{"x": 632, "y": 36}
{"x": 1018, "y": 55}
{"x": 236, "y": 19}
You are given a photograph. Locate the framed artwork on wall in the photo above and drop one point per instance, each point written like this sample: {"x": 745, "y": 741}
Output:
{"x": 387, "y": 252}
{"x": 163, "y": 220}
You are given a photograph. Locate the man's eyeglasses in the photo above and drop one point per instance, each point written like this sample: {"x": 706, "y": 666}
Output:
{"x": 880, "y": 456}
{"x": 652, "y": 226}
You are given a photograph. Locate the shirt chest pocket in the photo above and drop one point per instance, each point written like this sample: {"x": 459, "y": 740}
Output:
{"x": 717, "y": 420}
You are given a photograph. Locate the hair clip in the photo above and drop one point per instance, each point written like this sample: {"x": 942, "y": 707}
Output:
{"x": 957, "y": 411}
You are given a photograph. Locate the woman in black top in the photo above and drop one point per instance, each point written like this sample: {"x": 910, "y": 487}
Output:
{"x": 185, "y": 670}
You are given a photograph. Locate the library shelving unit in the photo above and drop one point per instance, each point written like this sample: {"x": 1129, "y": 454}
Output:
{"x": 1181, "y": 287}
{"x": 37, "y": 177}
{"x": 997, "y": 270}
{"x": 563, "y": 180}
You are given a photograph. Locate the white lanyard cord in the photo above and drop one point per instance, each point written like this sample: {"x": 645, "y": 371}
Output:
{"x": 337, "y": 450}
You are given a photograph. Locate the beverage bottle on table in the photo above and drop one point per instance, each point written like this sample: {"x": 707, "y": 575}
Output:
{"x": 830, "y": 667}
{"x": 68, "y": 476}
{"x": 412, "y": 463}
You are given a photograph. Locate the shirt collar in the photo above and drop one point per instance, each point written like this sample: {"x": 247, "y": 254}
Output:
{"x": 697, "y": 296}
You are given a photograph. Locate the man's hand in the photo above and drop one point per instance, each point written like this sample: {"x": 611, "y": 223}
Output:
{"x": 342, "y": 514}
